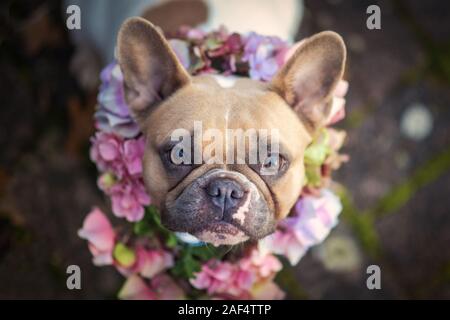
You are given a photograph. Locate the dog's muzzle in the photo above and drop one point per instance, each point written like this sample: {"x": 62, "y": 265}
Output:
{"x": 220, "y": 207}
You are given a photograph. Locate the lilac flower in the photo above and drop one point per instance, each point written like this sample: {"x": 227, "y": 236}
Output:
{"x": 195, "y": 34}
{"x": 262, "y": 68}
{"x": 161, "y": 287}
{"x": 181, "y": 49}
{"x": 113, "y": 114}
{"x": 263, "y": 55}
{"x": 313, "y": 220}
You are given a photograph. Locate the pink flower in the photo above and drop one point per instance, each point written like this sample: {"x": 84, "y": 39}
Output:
{"x": 98, "y": 231}
{"x": 337, "y": 112}
{"x": 135, "y": 288}
{"x": 148, "y": 262}
{"x": 283, "y": 243}
{"x": 128, "y": 199}
{"x": 262, "y": 264}
{"x": 122, "y": 161}
{"x": 221, "y": 278}
{"x": 132, "y": 154}
{"x": 162, "y": 287}
{"x": 105, "y": 152}
{"x": 314, "y": 218}
{"x": 234, "y": 43}
{"x": 166, "y": 288}
{"x": 152, "y": 262}
{"x": 114, "y": 154}
{"x": 241, "y": 279}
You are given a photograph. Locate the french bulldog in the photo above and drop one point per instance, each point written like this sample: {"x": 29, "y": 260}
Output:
{"x": 225, "y": 203}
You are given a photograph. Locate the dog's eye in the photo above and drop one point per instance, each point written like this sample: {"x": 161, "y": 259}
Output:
{"x": 176, "y": 155}
{"x": 272, "y": 161}
{"x": 272, "y": 164}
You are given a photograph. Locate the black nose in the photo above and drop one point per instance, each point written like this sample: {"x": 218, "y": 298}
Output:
{"x": 225, "y": 193}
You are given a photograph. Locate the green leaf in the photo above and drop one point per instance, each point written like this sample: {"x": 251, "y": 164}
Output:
{"x": 152, "y": 215}
{"x": 205, "y": 253}
{"x": 212, "y": 44}
{"x": 313, "y": 175}
{"x": 124, "y": 255}
{"x": 186, "y": 265}
{"x": 317, "y": 152}
{"x": 142, "y": 228}
{"x": 171, "y": 240}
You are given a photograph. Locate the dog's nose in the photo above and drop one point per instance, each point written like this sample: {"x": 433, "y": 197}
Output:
{"x": 225, "y": 193}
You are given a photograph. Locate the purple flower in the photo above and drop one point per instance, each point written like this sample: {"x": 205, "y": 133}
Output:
{"x": 113, "y": 114}
{"x": 262, "y": 68}
{"x": 313, "y": 220}
{"x": 181, "y": 49}
{"x": 195, "y": 34}
{"x": 264, "y": 55}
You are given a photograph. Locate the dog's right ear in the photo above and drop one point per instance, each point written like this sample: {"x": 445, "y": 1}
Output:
{"x": 309, "y": 78}
{"x": 150, "y": 68}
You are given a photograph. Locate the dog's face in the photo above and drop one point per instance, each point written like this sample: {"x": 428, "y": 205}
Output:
{"x": 234, "y": 199}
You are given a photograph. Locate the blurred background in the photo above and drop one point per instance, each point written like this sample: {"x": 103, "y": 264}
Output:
{"x": 395, "y": 188}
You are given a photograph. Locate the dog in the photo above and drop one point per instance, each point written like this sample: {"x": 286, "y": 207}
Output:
{"x": 225, "y": 203}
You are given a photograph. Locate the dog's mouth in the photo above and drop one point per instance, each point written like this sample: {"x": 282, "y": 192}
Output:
{"x": 221, "y": 208}
{"x": 216, "y": 233}
{"x": 222, "y": 233}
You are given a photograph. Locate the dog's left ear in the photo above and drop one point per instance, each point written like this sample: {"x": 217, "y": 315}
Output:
{"x": 150, "y": 68}
{"x": 308, "y": 79}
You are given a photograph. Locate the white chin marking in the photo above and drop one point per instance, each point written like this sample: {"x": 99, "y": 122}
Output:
{"x": 187, "y": 238}
{"x": 242, "y": 210}
{"x": 225, "y": 82}
{"x": 217, "y": 239}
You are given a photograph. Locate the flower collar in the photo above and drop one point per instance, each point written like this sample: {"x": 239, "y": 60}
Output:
{"x": 160, "y": 264}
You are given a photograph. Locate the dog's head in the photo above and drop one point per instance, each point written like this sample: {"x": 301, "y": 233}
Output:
{"x": 222, "y": 196}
